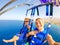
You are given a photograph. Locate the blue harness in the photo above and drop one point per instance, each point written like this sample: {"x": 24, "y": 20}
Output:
{"x": 39, "y": 38}
{"x": 22, "y": 37}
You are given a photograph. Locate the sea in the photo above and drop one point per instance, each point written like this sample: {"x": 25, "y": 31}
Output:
{"x": 9, "y": 28}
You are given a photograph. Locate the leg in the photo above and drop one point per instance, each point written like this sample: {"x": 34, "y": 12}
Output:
{"x": 15, "y": 38}
{"x": 53, "y": 2}
{"x": 57, "y": 2}
{"x": 15, "y": 43}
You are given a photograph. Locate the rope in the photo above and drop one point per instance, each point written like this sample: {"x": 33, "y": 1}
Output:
{"x": 23, "y": 4}
{"x": 7, "y": 4}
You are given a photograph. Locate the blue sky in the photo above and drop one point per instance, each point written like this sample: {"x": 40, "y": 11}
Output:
{"x": 19, "y": 12}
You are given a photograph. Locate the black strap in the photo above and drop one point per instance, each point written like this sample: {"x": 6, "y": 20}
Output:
{"x": 51, "y": 9}
{"x": 47, "y": 10}
{"x": 37, "y": 11}
{"x": 33, "y": 12}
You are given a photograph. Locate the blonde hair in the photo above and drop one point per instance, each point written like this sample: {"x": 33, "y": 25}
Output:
{"x": 26, "y": 19}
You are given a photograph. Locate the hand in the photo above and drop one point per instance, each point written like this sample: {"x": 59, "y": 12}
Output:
{"x": 28, "y": 27}
{"x": 33, "y": 32}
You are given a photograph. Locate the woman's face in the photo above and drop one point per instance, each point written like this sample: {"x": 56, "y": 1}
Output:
{"x": 38, "y": 24}
{"x": 26, "y": 22}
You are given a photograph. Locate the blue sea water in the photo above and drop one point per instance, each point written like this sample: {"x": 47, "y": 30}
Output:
{"x": 9, "y": 28}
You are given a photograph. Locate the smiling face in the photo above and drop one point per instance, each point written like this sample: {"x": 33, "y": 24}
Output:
{"x": 39, "y": 23}
{"x": 26, "y": 21}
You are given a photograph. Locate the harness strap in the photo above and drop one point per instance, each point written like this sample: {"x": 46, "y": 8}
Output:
{"x": 37, "y": 11}
{"x": 26, "y": 12}
{"x": 51, "y": 9}
{"x": 47, "y": 10}
{"x": 33, "y": 12}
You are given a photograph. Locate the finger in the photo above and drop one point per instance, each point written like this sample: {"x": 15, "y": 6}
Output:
{"x": 36, "y": 31}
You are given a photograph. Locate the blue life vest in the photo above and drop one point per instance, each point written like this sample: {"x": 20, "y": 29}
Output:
{"x": 39, "y": 38}
{"x": 22, "y": 36}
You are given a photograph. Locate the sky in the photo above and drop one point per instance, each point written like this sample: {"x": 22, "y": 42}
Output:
{"x": 19, "y": 13}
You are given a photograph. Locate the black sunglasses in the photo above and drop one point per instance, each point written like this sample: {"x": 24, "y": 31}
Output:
{"x": 26, "y": 21}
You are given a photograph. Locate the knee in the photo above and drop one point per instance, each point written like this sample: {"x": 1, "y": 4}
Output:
{"x": 15, "y": 38}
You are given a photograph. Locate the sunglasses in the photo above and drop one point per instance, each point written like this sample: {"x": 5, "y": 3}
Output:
{"x": 26, "y": 21}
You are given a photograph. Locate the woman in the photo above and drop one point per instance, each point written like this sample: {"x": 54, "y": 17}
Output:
{"x": 22, "y": 33}
{"x": 40, "y": 32}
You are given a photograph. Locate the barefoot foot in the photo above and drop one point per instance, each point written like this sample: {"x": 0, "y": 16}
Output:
{"x": 5, "y": 41}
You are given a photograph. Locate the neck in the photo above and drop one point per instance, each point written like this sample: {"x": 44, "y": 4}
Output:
{"x": 40, "y": 29}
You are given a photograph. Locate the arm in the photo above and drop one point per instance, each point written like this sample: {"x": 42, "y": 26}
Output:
{"x": 31, "y": 33}
{"x": 50, "y": 39}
